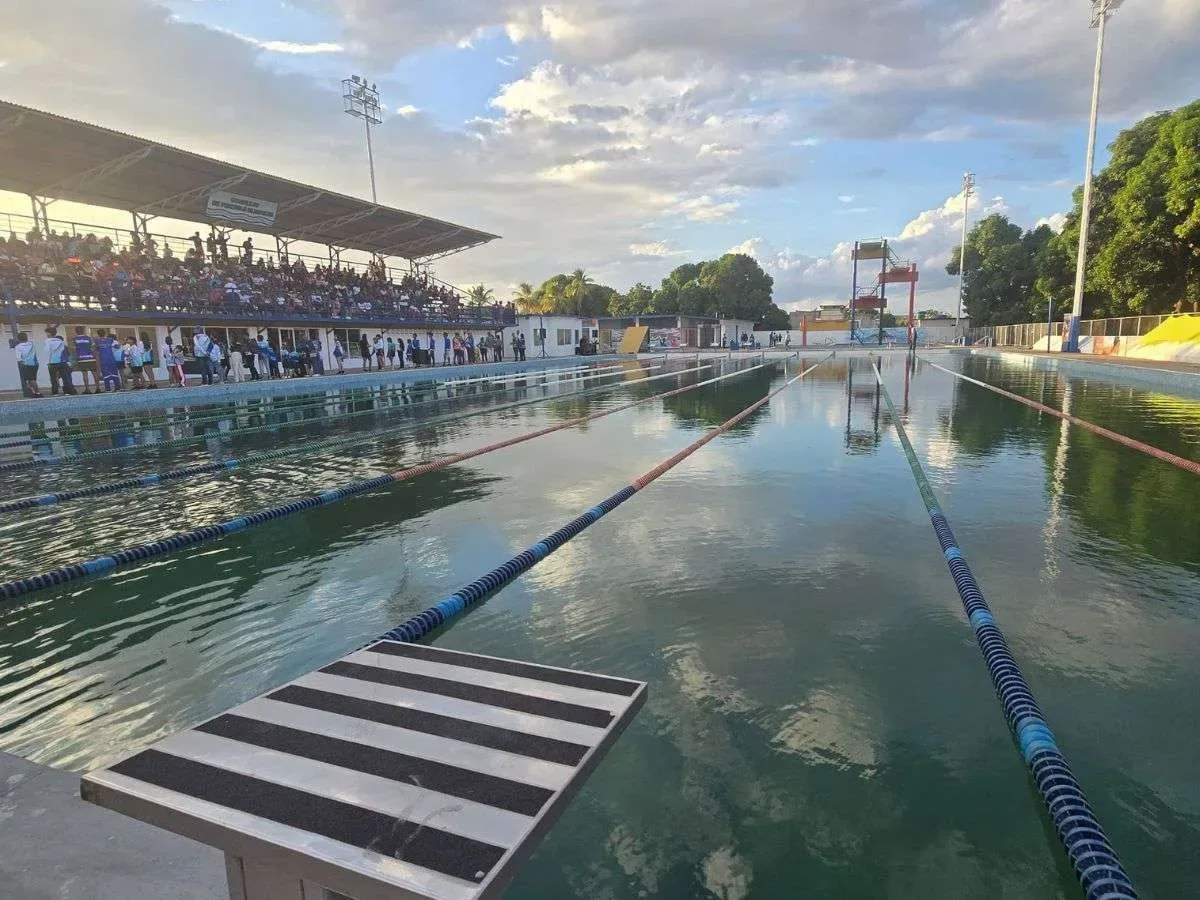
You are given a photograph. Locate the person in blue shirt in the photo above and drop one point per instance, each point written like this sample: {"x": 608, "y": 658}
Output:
{"x": 110, "y": 366}
{"x": 58, "y": 363}
{"x": 86, "y": 360}
{"x": 416, "y": 350}
{"x": 445, "y": 348}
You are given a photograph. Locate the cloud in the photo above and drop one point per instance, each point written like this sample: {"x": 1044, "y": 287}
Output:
{"x": 656, "y": 248}
{"x": 1056, "y": 221}
{"x": 631, "y": 119}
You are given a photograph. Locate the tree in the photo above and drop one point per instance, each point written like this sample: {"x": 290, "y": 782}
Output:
{"x": 742, "y": 289}
{"x": 776, "y": 319}
{"x": 1001, "y": 272}
{"x": 480, "y": 295}
{"x": 639, "y": 299}
{"x": 526, "y": 298}
{"x": 577, "y": 291}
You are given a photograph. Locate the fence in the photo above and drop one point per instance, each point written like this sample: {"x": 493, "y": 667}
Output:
{"x": 1031, "y": 333}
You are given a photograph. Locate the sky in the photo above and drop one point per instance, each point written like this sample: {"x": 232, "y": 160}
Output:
{"x": 627, "y": 137}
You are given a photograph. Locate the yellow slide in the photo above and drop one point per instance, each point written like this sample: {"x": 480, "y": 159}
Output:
{"x": 633, "y": 338}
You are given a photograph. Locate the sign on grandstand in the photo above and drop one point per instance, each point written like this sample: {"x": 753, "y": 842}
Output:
{"x": 243, "y": 210}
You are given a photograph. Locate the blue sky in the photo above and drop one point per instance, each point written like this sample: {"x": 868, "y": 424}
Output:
{"x": 629, "y": 136}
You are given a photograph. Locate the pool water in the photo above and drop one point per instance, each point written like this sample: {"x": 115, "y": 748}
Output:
{"x": 820, "y": 722}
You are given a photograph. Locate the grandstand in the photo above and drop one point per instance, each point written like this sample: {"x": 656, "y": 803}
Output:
{"x": 140, "y": 282}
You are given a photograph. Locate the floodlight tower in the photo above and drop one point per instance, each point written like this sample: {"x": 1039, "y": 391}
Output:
{"x": 362, "y": 102}
{"x": 1101, "y": 10}
{"x": 968, "y": 189}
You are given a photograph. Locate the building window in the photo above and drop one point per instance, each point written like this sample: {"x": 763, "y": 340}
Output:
{"x": 564, "y": 337}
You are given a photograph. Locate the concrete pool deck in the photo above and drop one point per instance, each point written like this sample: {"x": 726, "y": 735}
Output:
{"x": 49, "y": 407}
{"x": 57, "y": 846}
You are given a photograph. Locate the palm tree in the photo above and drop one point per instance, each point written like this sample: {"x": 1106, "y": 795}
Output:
{"x": 577, "y": 290}
{"x": 526, "y": 299}
{"x": 480, "y": 295}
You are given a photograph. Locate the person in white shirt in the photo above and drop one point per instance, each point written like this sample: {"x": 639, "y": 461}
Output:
{"x": 27, "y": 365}
{"x": 58, "y": 362}
{"x": 216, "y": 356}
{"x": 201, "y": 348}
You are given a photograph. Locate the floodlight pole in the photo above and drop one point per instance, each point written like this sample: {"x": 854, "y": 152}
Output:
{"x": 1101, "y": 10}
{"x": 371, "y": 159}
{"x": 968, "y": 189}
{"x": 362, "y": 102}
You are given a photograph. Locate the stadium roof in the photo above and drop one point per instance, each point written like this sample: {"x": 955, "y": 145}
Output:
{"x": 51, "y": 156}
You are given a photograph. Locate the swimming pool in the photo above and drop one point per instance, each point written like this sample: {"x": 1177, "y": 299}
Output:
{"x": 819, "y": 721}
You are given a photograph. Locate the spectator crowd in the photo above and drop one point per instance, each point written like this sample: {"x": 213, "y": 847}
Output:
{"x": 106, "y": 363}
{"x": 90, "y": 273}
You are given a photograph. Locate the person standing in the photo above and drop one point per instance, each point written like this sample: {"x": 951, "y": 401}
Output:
{"x": 364, "y": 349}
{"x": 132, "y": 355}
{"x": 107, "y": 349}
{"x": 498, "y": 346}
{"x": 318, "y": 361}
{"x": 521, "y": 346}
{"x": 202, "y": 346}
{"x": 178, "y": 358}
{"x": 416, "y": 350}
{"x": 380, "y": 351}
{"x": 148, "y": 361}
{"x": 515, "y": 347}
{"x": 58, "y": 363}
{"x": 237, "y": 364}
{"x": 445, "y": 348}
{"x": 471, "y": 347}
{"x": 27, "y": 365}
{"x": 85, "y": 359}
{"x": 339, "y": 356}
{"x": 216, "y": 356}
{"x": 391, "y": 352}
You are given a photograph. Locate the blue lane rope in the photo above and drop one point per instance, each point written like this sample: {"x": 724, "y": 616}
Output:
{"x": 38, "y": 461}
{"x": 1092, "y": 856}
{"x": 19, "y": 587}
{"x": 150, "y": 480}
{"x": 455, "y": 604}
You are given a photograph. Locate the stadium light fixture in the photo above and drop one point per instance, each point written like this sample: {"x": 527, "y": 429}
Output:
{"x": 361, "y": 100}
{"x": 1101, "y": 11}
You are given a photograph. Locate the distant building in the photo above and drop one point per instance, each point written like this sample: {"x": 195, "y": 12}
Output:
{"x": 826, "y": 312}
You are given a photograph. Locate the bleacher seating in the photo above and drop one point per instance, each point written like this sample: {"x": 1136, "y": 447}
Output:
{"x": 77, "y": 274}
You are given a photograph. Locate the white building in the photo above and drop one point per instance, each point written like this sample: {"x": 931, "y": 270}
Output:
{"x": 562, "y": 334}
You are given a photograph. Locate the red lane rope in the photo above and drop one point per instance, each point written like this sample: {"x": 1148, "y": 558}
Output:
{"x": 1166, "y": 456}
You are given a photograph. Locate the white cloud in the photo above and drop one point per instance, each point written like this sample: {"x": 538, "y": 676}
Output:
{"x": 1056, "y": 221}
{"x": 846, "y": 198}
{"x": 407, "y": 110}
{"x": 507, "y": 61}
{"x": 656, "y": 248}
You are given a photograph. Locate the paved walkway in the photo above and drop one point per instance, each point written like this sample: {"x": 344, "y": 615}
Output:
{"x": 56, "y": 847}
{"x": 1163, "y": 365}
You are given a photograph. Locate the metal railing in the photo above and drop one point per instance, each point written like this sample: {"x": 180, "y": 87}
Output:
{"x": 1030, "y": 333}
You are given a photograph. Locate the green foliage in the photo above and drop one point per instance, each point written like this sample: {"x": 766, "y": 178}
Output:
{"x": 734, "y": 286}
{"x": 638, "y": 300}
{"x": 1001, "y": 272}
{"x": 1144, "y": 236}
{"x": 777, "y": 319}
{"x": 479, "y": 295}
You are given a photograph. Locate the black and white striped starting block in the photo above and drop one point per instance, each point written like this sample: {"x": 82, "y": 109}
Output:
{"x": 399, "y": 771}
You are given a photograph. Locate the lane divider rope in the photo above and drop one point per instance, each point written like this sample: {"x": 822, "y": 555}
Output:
{"x": 455, "y": 604}
{"x": 20, "y": 587}
{"x": 217, "y": 434}
{"x": 1091, "y": 855}
{"x": 144, "y": 421}
{"x": 151, "y": 480}
{"x": 1166, "y": 456}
